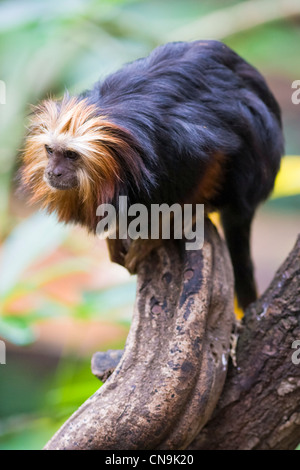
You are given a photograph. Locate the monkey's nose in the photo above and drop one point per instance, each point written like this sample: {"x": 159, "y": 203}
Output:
{"x": 56, "y": 173}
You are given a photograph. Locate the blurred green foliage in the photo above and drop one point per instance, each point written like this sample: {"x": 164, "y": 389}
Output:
{"x": 45, "y": 48}
{"x": 38, "y": 404}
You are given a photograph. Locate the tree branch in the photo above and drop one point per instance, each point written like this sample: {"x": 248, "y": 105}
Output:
{"x": 260, "y": 403}
{"x": 172, "y": 372}
{"x": 163, "y": 393}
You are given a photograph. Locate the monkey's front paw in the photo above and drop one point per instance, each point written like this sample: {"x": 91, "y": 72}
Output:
{"x": 131, "y": 262}
{"x": 139, "y": 250}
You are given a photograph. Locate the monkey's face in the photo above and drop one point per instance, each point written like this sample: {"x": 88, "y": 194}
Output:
{"x": 72, "y": 159}
{"x": 61, "y": 171}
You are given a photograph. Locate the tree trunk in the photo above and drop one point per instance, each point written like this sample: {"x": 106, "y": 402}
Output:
{"x": 164, "y": 391}
{"x": 260, "y": 403}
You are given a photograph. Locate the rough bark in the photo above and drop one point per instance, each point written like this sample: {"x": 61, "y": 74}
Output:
{"x": 172, "y": 372}
{"x": 260, "y": 404}
{"x": 163, "y": 393}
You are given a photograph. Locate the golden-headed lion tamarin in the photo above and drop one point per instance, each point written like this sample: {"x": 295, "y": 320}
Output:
{"x": 191, "y": 123}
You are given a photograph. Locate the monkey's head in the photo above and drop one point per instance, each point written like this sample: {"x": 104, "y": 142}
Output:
{"x": 75, "y": 159}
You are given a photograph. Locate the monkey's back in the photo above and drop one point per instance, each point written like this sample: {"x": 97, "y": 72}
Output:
{"x": 185, "y": 104}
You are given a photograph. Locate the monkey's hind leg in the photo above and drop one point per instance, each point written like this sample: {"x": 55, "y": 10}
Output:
{"x": 237, "y": 229}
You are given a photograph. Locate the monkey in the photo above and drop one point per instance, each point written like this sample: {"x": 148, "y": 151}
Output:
{"x": 192, "y": 122}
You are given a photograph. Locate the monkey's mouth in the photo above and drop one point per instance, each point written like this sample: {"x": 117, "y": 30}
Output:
{"x": 61, "y": 184}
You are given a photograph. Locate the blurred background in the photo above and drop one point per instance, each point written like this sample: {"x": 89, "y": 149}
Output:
{"x": 60, "y": 298}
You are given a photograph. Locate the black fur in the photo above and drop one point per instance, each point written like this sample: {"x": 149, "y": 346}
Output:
{"x": 185, "y": 103}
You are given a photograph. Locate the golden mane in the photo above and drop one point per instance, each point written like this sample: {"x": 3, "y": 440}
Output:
{"x": 75, "y": 125}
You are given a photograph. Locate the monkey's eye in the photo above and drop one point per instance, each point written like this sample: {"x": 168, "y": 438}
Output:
{"x": 70, "y": 155}
{"x": 49, "y": 150}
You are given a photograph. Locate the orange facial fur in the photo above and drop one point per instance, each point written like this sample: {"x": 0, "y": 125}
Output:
{"x": 75, "y": 125}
